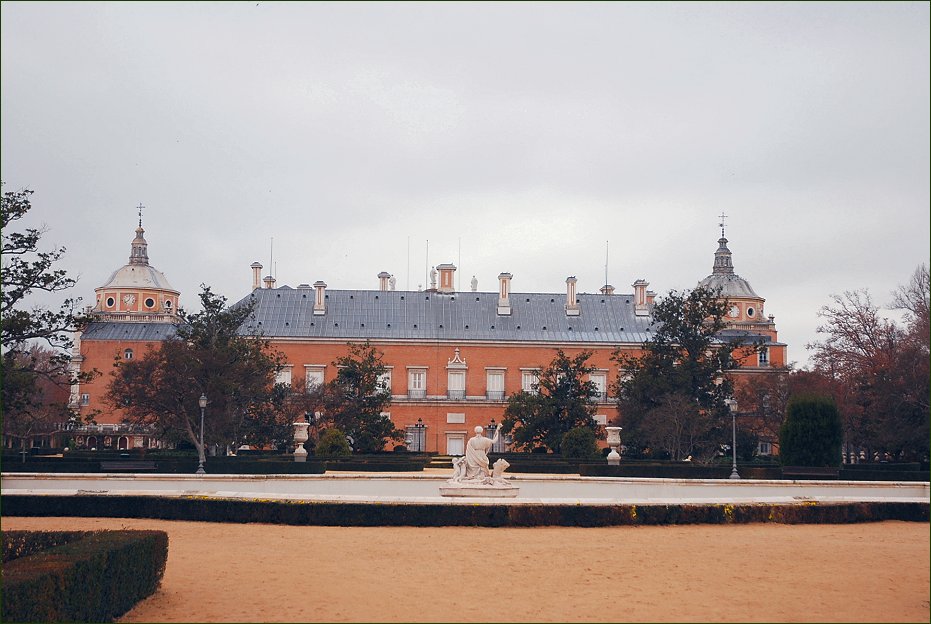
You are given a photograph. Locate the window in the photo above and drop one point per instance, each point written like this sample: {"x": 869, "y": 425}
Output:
{"x": 110, "y": 302}
{"x": 128, "y": 354}
{"x": 85, "y": 399}
{"x": 750, "y": 311}
{"x": 313, "y": 375}
{"x": 494, "y": 385}
{"x": 150, "y": 302}
{"x": 168, "y": 305}
{"x": 601, "y": 385}
{"x": 766, "y": 448}
{"x": 455, "y": 388}
{"x": 384, "y": 381}
{"x": 417, "y": 383}
{"x": 764, "y": 356}
{"x": 601, "y": 419}
{"x": 529, "y": 380}
{"x": 284, "y": 375}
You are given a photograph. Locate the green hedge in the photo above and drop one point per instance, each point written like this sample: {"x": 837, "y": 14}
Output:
{"x": 188, "y": 465}
{"x": 295, "y": 512}
{"x": 94, "y": 577}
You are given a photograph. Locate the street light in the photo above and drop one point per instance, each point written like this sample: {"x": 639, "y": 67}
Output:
{"x": 732, "y": 406}
{"x": 420, "y": 434}
{"x": 202, "y": 401}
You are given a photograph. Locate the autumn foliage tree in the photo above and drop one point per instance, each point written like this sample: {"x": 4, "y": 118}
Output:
{"x": 213, "y": 353}
{"x": 881, "y": 368}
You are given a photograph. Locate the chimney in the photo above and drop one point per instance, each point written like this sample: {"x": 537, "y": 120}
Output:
{"x": 256, "y": 275}
{"x": 447, "y": 275}
{"x": 641, "y": 304}
{"x": 650, "y": 297}
{"x": 572, "y": 308}
{"x": 607, "y": 289}
{"x": 383, "y": 278}
{"x": 320, "y": 298}
{"x": 269, "y": 281}
{"x": 504, "y": 294}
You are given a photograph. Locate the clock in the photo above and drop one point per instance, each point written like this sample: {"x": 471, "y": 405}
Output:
{"x": 734, "y": 312}
{"x": 129, "y": 299}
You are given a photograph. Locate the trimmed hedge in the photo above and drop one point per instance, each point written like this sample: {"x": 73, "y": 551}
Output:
{"x": 94, "y": 577}
{"x": 296, "y": 512}
{"x": 184, "y": 465}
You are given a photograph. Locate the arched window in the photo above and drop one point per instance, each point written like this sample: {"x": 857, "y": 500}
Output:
{"x": 128, "y": 354}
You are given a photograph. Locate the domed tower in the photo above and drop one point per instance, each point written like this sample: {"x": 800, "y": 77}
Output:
{"x": 138, "y": 291}
{"x": 746, "y": 307}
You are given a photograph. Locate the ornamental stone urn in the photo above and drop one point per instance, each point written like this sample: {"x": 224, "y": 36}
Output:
{"x": 300, "y": 436}
{"x": 614, "y": 441}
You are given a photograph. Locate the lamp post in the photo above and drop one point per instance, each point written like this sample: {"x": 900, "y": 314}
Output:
{"x": 202, "y": 401}
{"x": 420, "y": 434}
{"x": 732, "y": 406}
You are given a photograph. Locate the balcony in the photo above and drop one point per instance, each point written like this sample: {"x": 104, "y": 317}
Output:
{"x": 494, "y": 395}
{"x": 416, "y": 395}
{"x": 455, "y": 395}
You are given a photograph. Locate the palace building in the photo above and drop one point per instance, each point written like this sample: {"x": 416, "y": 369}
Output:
{"x": 452, "y": 357}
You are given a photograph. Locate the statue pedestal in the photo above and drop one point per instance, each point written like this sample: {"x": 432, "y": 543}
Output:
{"x": 479, "y": 491}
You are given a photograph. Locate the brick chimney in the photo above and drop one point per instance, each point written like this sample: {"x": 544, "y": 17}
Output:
{"x": 641, "y": 303}
{"x": 447, "y": 273}
{"x": 572, "y": 307}
{"x": 504, "y": 294}
{"x": 383, "y": 278}
{"x": 320, "y": 298}
{"x": 607, "y": 289}
{"x": 256, "y": 275}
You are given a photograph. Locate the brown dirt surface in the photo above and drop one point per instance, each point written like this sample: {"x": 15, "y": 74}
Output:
{"x": 876, "y": 572}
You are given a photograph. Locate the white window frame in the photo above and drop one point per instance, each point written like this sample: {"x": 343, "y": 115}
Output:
{"x": 491, "y": 391}
{"x": 417, "y": 381}
{"x": 530, "y": 380}
{"x": 384, "y": 380}
{"x": 602, "y": 387}
{"x": 283, "y": 376}
{"x": 311, "y": 374}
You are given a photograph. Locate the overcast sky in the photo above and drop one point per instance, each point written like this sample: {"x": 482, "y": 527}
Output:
{"x": 514, "y": 137}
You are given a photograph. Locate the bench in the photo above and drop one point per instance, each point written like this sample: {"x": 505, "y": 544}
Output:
{"x": 131, "y": 466}
{"x": 819, "y": 472}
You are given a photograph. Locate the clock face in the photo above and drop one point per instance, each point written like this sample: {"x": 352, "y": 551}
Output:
{"x": 129, "y": 299}
{"x": 734, "y": 312}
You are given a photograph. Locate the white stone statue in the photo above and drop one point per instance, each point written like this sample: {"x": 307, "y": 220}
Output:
{"x": 433, "y": 278}
{"x": 392, "y": 282}
{"x": 471, "y": 476}
{"x": 476, "y": 455}
{"x": 474, "y": 284}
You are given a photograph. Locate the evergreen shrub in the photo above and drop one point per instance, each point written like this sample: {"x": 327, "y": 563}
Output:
{"x": 579, "y": 443}
{"x": 333, "y": 443}
{"x": 812, "y": 433}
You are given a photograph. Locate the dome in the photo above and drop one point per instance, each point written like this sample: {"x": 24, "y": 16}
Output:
{"x": 723, "y": 277}
{"x": 731, "y": 285}
{"x": 138, "y": 276}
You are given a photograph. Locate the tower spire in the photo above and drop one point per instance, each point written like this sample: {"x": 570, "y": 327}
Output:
{"x": 722, "y": 257}
{"x": 139, "y": 253}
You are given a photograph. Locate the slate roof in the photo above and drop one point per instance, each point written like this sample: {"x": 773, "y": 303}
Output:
{"x": 110, "y": 330}
{"x": 467, "y": 316}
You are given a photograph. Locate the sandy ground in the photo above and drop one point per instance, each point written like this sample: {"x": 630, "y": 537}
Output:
{"x": 760, "y": 572}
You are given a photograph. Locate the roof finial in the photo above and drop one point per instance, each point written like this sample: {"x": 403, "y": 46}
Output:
{"x": 140, "y": 213}
{"x": 723, "y": 217}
